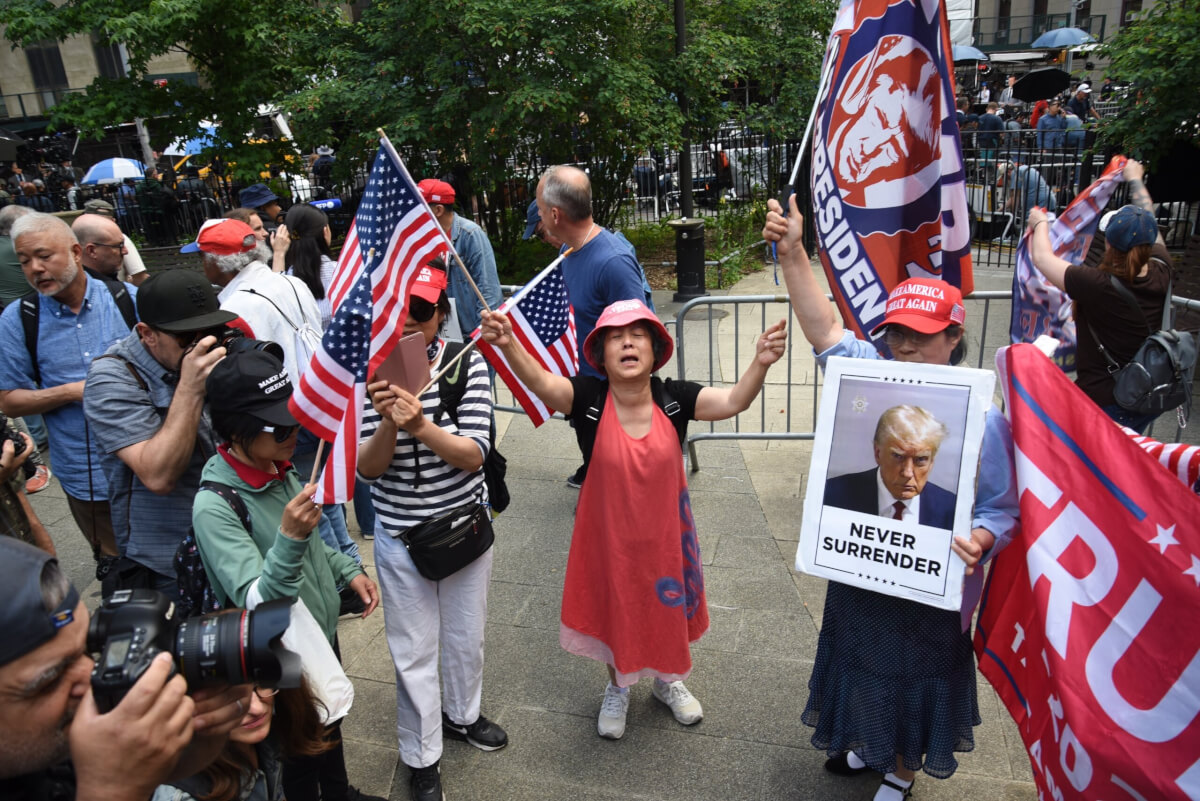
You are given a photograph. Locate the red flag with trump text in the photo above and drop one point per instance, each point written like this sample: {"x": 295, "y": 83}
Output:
{"x": 888, "y": 186}
{"x": 393, "y": 235}
{"x": 1087, "y": 626}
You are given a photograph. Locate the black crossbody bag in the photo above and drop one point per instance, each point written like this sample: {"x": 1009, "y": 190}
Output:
{"x": 443, "y": 545}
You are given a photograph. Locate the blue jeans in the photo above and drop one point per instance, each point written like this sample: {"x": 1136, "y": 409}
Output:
{"x": 1138, "y": 422}
{"x": 364, "y": 509}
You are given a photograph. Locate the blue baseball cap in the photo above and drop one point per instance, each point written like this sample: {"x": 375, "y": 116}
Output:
{"x": 256, "y": 196}
{"x": 24, "y": 618}
{"x": 532, "y": 218}
{"x": 1131, "y": 226}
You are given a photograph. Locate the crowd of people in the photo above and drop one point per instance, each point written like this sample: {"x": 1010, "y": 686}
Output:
{"x": 165, "y": 402}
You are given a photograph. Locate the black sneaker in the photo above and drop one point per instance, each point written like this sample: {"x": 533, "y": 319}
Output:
{"x": 104, "y": 566}
{"x": 351, "y": 603}
{"x": 426, "y": 784}
{"x": 483, "y": 734}
{"x": 355, "y": 794}
{"x": 575, "y": 480}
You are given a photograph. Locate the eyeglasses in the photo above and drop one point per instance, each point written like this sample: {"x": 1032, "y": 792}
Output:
{"x": 895, "y": 336}
{"x": 421, "y": 310}
{"x": 281, "y": 433}
{"x": 119, "y": 246}
{"x": 265, "y": 692}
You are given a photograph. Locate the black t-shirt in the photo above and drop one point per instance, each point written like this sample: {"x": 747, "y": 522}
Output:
{"x": 1121, "y": 332}
{"x": 56, "y": 783}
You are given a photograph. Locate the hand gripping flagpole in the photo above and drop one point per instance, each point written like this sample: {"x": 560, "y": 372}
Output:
{"x": 445, "y": 237}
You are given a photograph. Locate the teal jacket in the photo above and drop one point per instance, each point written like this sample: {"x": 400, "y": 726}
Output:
{"x": 287, "y": 568}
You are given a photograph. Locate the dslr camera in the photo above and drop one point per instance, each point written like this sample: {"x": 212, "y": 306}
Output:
{"x": 9, "y": 432}
{"x": 234, "y": 340}
{"x": 233, "y": 646}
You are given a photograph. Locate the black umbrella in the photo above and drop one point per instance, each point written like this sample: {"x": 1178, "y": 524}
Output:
{"x": 1041, "y": 84}
{"x": 9, "y": 142}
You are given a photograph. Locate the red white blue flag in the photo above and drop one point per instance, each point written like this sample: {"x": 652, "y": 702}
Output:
{"x": 393, "y": 235}
{"x": 1087, "y": 626}
{"x": 888, "y": 186}
{"x": 1039, "y": 307}
{"x": 544, "y": 323}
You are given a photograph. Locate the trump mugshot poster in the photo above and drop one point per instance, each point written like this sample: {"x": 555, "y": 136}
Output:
{"x": 892, "y": 479}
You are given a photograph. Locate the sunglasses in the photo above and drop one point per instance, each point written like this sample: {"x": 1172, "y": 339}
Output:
{"x": 281, "y": 433}
{"x": 266, "y": 692}
{"x": 421, "y": 310}
{"x": 895, "y": 336}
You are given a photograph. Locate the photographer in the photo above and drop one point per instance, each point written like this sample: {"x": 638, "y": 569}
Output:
{"x": 17, "y": 518}
{"x": 54, "y": 742}
{"x": 145, "y": 403}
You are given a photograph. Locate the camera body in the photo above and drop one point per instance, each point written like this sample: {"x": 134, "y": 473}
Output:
{"x": 233, "y": 646}
{"x": 9, "y": 432}
{"x": 234, "y": 340}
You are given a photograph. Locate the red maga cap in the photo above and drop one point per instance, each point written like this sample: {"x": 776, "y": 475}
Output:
{"x": 925, "y": 305}
{"x": 429, "y": 284}
{"x": 435, "y": 191}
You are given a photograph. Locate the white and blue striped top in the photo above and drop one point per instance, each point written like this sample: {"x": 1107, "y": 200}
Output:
{"x": 418, "y": 484}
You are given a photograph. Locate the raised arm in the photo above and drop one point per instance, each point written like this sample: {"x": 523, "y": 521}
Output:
{"x": 1138, "y": 194}
{"x": 817, "y": 315}
{"x": 555, "y": 391}
{"x": 721, "y": 404}
{"x": 1041, "y": 252}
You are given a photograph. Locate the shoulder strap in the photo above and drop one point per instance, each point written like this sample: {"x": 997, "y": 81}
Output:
{"x": 453, "y": 385}
{"x": 231, "y": 497}
{"x": 670, "y": 407}
{"x": 120, "y": 296}
{"x": 133, "y": 371}
{"x": 30, "y": 310}
{"x": 273, "y": 303}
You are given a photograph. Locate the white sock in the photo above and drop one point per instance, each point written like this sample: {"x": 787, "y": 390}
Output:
{"x": 885, "y": 793}
{"x": 621, "y": 690}
{"x": 854, "y": 760}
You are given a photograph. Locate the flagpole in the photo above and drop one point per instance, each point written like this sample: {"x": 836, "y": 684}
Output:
{"x": 826, "y": 71}
{"x": 445, "y": 237}
{"x": 317, "y": 464}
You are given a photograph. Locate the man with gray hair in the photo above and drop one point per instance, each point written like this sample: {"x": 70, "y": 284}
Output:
{"x": 12, "y": 281}
{"x": 906, "y": 442}
{"x": 46, "y": 346}
{"x": 599, "y": 269}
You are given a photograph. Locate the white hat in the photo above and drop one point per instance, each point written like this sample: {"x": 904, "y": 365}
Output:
{"x": 1083, "y": 87}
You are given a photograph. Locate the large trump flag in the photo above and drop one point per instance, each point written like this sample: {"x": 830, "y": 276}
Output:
{"x": 888, "y": 186}
{"x": 1088, "y": 628}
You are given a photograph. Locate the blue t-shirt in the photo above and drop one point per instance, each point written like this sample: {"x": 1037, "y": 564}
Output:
{"x": 67, "y": 344}
{"x": 599, "y": 274}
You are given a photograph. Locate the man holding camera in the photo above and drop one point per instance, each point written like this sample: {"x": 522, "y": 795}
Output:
{"x": 145, "y": 402}
{"x": 17, "y": 518}
{"x": 54, "y": 741}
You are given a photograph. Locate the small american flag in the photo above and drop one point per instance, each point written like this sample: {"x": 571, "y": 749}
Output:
{"x": 369, "y": 297}
{"x": 544, "y": 324}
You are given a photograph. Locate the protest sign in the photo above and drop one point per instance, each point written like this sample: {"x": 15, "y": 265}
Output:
{"x": 893, "y": 477}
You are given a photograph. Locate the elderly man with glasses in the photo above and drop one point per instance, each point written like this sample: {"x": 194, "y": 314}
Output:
{"x": 145, "y": 403}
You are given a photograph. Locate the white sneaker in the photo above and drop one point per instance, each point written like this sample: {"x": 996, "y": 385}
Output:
{"x": 684, "y": 705}
{"x": 611, "y": 723}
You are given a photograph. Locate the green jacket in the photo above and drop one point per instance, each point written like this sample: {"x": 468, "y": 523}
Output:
{"x": 287, "y": 568}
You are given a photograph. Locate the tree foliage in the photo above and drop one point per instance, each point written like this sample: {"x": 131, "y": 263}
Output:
{"x": 244, "y": 55}
{"x": 1159, "y": 56}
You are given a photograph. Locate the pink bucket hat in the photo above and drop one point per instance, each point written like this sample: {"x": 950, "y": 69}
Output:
{"x": 620, "y": 314}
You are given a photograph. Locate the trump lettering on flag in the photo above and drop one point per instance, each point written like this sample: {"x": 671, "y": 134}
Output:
{"x": 542, "y": 321}
{"x": 393, "y": 235}
{"x": 1086, "y": 629}
{"x": 888, "y": 185}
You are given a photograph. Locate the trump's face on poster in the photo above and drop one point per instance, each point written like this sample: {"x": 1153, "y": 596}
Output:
{"x": 906, "y": 442}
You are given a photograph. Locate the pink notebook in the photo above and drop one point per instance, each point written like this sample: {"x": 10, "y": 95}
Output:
{"x": 407, "y": 365}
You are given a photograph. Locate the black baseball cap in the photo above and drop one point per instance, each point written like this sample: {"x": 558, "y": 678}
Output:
{"x": 180, "y": 301}
{"x": 251, "y": 382}
{"x": 23, "y": 617}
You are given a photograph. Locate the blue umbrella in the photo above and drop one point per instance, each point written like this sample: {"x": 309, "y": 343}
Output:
{"x": 112, "y": 171}
{"x": 968, "y": 53}
{"x": 193, "y": 146}
{"x": 1062, "y": 37}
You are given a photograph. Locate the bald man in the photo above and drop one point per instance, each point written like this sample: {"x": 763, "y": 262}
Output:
{"x": 77, "y": 318}
{"x": 103, "y": 246}
{"x": 599, "y": 269}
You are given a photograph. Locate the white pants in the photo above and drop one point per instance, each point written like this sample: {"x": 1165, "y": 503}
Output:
{"x": 419, "y": 615}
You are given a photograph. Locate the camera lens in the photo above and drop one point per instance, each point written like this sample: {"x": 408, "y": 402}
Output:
{"x": 237, "y": 646}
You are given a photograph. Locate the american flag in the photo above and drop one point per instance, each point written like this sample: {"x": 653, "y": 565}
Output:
{"x": 544, "y": 324}
{"x": 369, "y": 298}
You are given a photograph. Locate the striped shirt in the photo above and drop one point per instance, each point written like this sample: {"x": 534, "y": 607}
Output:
{"x": 418, "y": 484}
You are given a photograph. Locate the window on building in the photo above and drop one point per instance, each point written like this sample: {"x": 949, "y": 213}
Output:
{"x": 1039, "y": 8}
{"x": 108, "y": 58}
{"x": 46, "y": 67}
{"x": 1129, "y": 9}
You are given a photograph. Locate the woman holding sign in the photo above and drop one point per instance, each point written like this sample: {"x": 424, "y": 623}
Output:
{"x": 633, "y": 596}
{"x": 893, "y": 684}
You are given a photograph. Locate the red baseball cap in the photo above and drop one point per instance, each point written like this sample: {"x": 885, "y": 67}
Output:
{"x": 925, "y": 305}
{"x": 222, "y": 238}
{"x": 435, "y": 191}
{"x": 623, "y": 313}
{"x": 429, "y": 284}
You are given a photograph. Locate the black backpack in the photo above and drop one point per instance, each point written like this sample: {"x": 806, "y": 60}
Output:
{"x": 196, "y": 595}
{"x": 450, "y": 392}
{"x": 589, "y": 421}
{"x": 31, "y": 311}
{"x": 1159, "y": 376}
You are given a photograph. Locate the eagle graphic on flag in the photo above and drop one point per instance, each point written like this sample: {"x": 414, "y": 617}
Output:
{"x": 888, "y": 185}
